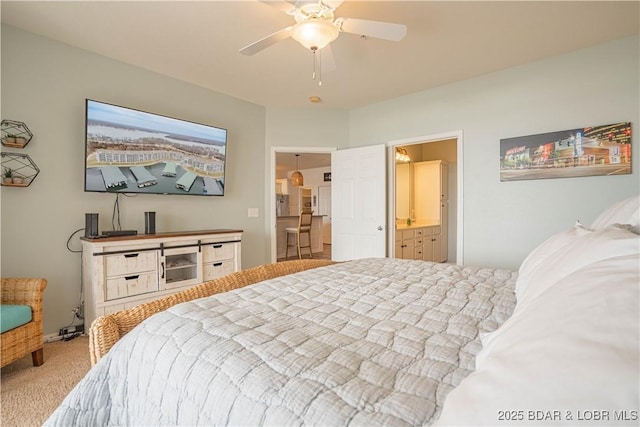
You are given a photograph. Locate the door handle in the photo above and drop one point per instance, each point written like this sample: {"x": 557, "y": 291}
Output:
{"x": 379, "y": 228}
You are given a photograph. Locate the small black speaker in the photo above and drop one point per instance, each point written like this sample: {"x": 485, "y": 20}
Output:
{"x": 91, "y": 225}
{"x": 149, "y": 223}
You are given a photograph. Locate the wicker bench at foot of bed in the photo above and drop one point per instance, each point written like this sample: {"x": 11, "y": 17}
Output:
{"x": 105, "y": 331}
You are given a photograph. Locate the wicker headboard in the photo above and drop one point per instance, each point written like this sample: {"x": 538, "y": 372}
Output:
{"x": 105, "y": 331}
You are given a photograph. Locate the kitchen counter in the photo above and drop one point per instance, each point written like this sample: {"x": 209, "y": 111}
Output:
{"x": 297, "y": 216}
{"x": 283, "y": 222}
{"x": 417, "y": 224}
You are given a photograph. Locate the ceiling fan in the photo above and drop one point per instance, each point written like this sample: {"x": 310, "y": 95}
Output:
{"x": 316, "y": 27}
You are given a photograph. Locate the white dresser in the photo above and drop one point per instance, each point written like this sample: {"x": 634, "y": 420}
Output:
{"x": 121, "y": 272}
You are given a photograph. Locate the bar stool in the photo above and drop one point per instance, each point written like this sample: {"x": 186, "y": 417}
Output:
{"x": 304, "y": 227}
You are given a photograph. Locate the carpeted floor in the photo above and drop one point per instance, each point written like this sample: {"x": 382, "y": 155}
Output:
{"x": 30, "y": 394}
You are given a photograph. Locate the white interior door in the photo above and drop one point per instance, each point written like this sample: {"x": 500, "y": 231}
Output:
{"x": 358, "y": 194}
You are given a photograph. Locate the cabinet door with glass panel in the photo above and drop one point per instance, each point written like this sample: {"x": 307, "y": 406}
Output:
{"x": 305, "y": 199}
{"x": 180, "y": 266}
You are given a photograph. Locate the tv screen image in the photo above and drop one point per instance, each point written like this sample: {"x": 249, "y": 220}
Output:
{"x": 132, "y": 151}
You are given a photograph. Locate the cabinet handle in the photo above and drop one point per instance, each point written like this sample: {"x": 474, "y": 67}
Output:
{"x": 131, "y": 277}
{"x": 130, "y": 255}
{"x": 162, "y": 265}
{"x": 217, "y": 246}
{"x": 217, "y": 264}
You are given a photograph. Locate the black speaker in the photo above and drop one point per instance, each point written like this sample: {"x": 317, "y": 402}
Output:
{"x": 91, "y": 225}
{"x": 149, "y": 223}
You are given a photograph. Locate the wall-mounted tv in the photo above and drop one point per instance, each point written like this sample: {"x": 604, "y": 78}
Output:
{"x": 131, "y": 151}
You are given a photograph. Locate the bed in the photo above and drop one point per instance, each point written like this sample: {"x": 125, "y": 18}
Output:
{"x": 392, "y": 342}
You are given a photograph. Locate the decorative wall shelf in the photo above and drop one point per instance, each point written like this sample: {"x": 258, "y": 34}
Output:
{"x": 23, "y": 169}
{"x": 15, "y": 134}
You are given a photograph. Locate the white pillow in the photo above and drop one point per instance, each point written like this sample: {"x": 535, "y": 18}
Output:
{"x": 567, "y": 252}
{"x": 625, "y": 212}
{"x": 569, "y": 356}
{"x": 545, "y": 251}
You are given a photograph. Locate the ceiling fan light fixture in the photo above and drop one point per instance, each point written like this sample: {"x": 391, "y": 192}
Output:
{"x": 315, "y": 34}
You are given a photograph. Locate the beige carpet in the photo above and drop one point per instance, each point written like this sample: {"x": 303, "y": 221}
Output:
{"x": 30, "y": 394}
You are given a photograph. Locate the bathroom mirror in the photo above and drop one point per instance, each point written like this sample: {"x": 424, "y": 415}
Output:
{"x": 404, "y": 157}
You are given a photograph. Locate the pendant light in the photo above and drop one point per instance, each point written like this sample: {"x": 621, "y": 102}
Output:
{"x": 296, "y": 178}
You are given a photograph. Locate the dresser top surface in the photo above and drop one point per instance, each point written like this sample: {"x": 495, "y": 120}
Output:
{"x": 164, "y": 235}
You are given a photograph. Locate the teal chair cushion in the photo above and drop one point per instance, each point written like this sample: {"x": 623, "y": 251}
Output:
{"x": 12, "y": 316}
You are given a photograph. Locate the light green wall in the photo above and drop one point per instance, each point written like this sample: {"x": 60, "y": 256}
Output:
{"x": 44, "y": 84}
{"x": 503, "y": 221}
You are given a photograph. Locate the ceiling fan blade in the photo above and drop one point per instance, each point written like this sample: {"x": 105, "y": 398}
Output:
{"x": 265, "y": 42}
{"x": 377, "y": 29}
{"x": 328, "y": 61}
{"x": 281, "y": 4}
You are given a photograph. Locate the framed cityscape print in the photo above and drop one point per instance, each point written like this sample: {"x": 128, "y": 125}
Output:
{"x": 595, "y": 150}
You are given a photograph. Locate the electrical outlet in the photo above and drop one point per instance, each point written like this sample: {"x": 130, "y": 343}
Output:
{"x": 78, "y": 329}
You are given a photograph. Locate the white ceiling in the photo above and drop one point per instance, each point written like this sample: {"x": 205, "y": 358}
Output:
{"x": 447, "y": 41}
{"x": 287, "y": 162}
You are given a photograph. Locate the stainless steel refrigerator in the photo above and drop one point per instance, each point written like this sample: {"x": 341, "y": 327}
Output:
{"x": 282, "y": 205}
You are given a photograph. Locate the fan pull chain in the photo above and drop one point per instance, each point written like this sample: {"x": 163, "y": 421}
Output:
{"x": 314, "y": 62}
{"x": 319, "y": 73}
{"x": 320, "y": 69}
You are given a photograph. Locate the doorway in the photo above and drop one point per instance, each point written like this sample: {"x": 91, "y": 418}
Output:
{"x": 448, "y": 148}
{"x": 316, "y": 160}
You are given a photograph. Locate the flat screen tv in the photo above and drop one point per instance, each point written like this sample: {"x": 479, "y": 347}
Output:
{"x": 131, "y": 151}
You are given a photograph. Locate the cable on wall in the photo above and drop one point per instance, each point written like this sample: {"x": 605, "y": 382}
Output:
{"x": 115, "y": 216}
{"x": 77, "y": 312}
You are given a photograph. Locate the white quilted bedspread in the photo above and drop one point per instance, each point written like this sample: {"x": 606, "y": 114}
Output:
{"x": 366, "y": 342}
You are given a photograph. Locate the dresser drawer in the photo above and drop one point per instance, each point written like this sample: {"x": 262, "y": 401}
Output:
{"x": 134, "y": 284}
{"x": 218, "y": 251}
{"x": 130, "y": 263}
{"x": 214, "y": 270}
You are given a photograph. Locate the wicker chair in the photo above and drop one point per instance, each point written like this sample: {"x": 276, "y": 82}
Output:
{"x": 106, "y": 330}
{"x": 29, "y": 338}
